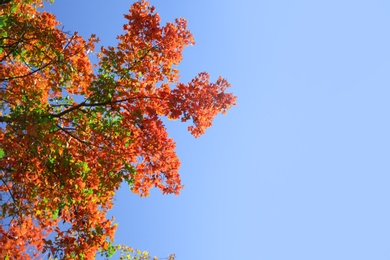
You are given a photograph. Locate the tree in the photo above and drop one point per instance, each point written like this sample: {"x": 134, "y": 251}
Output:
{"x": 72, "y": 131}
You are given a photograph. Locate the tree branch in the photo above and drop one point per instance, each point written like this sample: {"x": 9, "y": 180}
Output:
{"x": 3, "y": 2}
{"x": 4, "y": 119}
{"x": 109, "y": 102}
{"x": 73, "y": 136}
{"x": 85, "y": 104}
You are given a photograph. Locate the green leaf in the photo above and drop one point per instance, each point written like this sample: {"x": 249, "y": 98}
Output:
{"x": 1, "y": 153}
{"x": 2, "y": 21}
{"x": 51, "y": 160}
{"x": 55, "y": 214}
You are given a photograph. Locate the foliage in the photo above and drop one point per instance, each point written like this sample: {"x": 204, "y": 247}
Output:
{"x": 71, "y": 134}
{"x": 128, "y": 253}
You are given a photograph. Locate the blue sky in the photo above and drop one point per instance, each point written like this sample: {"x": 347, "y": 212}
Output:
{"x": 299, "y": 170}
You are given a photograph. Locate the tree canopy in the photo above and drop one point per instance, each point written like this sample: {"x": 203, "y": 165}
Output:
{"x": 73, "y": 131}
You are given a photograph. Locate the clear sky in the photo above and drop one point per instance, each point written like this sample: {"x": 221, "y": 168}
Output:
{"x": 300, "y": 169}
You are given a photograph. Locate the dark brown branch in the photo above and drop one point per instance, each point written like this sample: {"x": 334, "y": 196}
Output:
{"x": 85, "y": 104}
{"x": 53, "y": 60}
{"x": 109, "y": 102}
{"x": 28, "y": 74}
{"x": 73, "y": 136}
{"x": 3, "y": 2}
{"x": 9, "y": 190}
{"x": 4, "y": 119}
